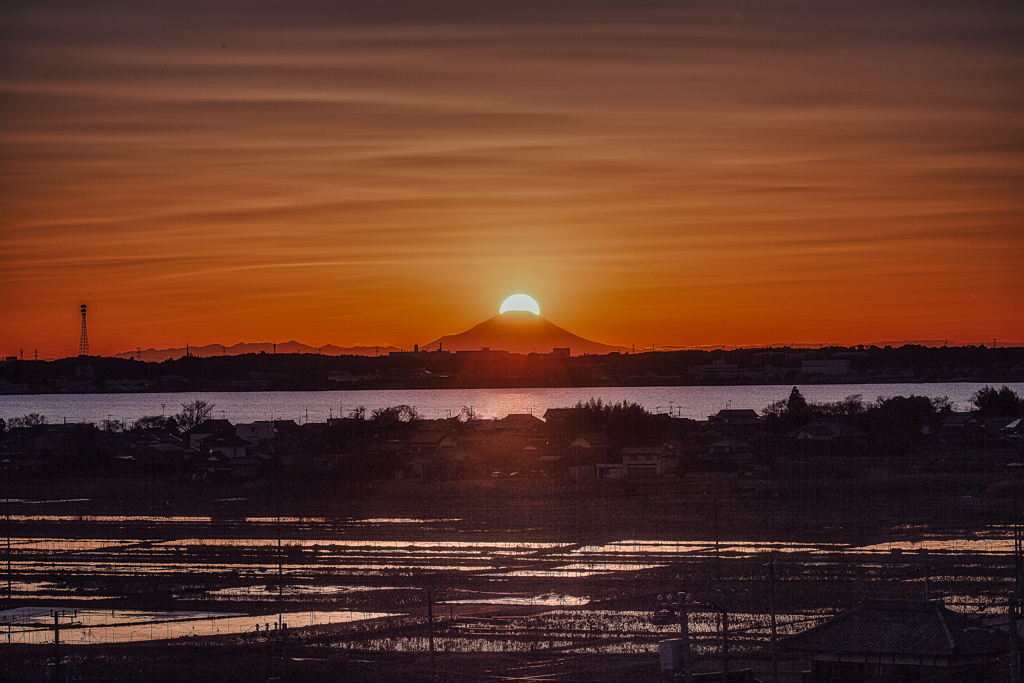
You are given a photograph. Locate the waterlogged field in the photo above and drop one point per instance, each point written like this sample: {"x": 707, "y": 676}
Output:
{"x": 565, "y": 579}
{"x": 34, "y": 625}
{"x": 375, "y": 577}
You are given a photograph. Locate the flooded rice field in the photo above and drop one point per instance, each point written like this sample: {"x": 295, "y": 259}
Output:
{"x": 34, "y": 625}
{"x": 141, "y": 578}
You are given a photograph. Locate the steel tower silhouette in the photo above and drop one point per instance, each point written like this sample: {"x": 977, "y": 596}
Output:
{"x": 83, "y": 371}
{"x": 83, "y": 344}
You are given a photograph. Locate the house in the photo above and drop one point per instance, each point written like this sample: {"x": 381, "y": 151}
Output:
{"x": 207, "y": 429}
{"x": 227, "y": 454}
{"x": 958, "y": 423}
{"x": 609, "y": 469}
{"x": 256, "y": 432}
{"x": 647, "y": 462}
{"x": 726, "y": 455}
{"x": 431, "y": 442}
{"x": 590, "y": 447}
{"x": 521, "y": 423}
{"x": 902, "y": 640}
{"x": 229, "y": 444}
{"x": 727, "y": 446}
{"x": 638, "y": 462}
{"x": 164, "y": 455}
{"x": 561, "y": 418}
{"x": 745, "y": 417}
{"x": 827, "y": 430}
{"x": 215, "y": 465}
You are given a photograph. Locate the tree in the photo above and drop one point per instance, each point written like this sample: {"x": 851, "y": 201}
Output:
{"x": 797, "y": 404}
{"x": 150, "y": 422}
{"x": 1001, "y": 403}
{"x": 30, "y": 420}
{"x": 851, "y": 406}
{"x": 623, "y": 423}
{"x": 896, "y": 424}
{"x": 395, "y": 414}
{"x": 782, "y": 417}
{"x": 193, "y": 414}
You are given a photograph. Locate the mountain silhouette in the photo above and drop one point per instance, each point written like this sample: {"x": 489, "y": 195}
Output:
{"x": 519, "y": 332}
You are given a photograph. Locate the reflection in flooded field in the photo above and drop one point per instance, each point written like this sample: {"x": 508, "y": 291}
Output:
{"x": 269, "y": 592}
{"x": 607, "y": 631}
{"x": 92, "y": 626}
{"x": 549, "y": 599}
{"x": 490, "y": 593}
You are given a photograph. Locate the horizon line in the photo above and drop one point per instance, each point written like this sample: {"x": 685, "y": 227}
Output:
{"x": 654, "y": 348}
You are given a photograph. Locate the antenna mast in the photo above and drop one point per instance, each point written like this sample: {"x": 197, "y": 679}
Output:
{"x": 83, "y": 344}
{"x": 83, "y": 371}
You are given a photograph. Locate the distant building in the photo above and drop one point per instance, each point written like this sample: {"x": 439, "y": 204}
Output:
{"x": 125, "y": 385}
{"x": 341, "y": 376}
{"x": 832, "y": 368}
{"x": 717, "y": 370}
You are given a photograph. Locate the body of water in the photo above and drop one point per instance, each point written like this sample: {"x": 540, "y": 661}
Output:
{"x": 317, "y": 406}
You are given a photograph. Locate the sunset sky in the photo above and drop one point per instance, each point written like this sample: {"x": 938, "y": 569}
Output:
{"x": 387, "y": 172}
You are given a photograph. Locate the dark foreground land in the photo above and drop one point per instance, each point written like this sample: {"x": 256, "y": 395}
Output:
{"x": 813, "y": 539}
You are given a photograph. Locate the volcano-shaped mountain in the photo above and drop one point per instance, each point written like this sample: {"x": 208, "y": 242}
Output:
{"x": 519, "y": 332}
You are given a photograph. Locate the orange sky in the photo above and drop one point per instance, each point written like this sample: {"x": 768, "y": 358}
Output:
{"x": 677, "y": 173}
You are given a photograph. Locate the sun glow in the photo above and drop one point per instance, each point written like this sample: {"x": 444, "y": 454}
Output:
{"x": 520, "y": 302}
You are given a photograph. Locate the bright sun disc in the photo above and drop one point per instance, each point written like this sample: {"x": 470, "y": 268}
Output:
{"x": 520, "y": 302}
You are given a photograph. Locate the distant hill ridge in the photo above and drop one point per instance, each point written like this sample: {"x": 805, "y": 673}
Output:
{"x": 521, "y": 333}
{"x": 157, "y": 355}
{"x": 513, "y": 331}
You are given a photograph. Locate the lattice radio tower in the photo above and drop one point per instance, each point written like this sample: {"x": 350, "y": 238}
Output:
{"x": 83, "y": 371}
{"x": 83, "y": 344}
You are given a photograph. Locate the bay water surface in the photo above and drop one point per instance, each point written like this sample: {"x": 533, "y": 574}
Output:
{"x": 695, "y": 402}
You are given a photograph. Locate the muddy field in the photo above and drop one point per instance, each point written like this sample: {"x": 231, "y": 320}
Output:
{"x": 522, "y": 579}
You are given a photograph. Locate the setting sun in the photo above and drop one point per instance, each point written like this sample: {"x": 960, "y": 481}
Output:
{"x": 520, "y": 302}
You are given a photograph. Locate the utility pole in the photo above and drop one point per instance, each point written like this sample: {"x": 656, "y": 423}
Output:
{"x": 725, "y": 640}
{"x": 1018, "y": 545}
{"x": 682, "y": 601}
{"x": 718, "y": 558}
{"x": 7, "y": 514}
{"x": 771, "y": 607}
{"x": 1015, "y": 673}
{"x": 57, "y": 626}
{"x": 430, "y": 634}
{"x": 1014, "y": 638}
